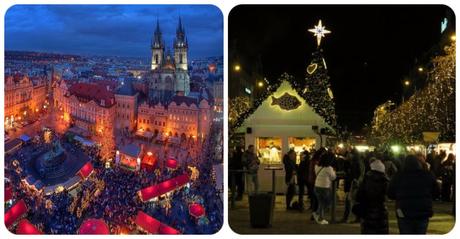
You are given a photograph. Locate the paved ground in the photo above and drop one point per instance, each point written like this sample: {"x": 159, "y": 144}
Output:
{"x": 295, "y": 222}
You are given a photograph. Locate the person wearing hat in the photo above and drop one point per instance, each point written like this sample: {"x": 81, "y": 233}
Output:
{"x": 371, "y": 198}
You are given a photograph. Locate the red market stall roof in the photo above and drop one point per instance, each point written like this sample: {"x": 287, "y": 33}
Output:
{"x": 147, "y": 223}
{"x": 153, "y": 226}
{"x": 25, "y": 227}
{"x": 94, "y": 226}
{"x": 149, "y": 161}
{"x": 171, "y": 163}
{"x": 196, "y": 210}
{"x": 86, "y": 170}
{"x": 167, "y": 230}
{"x": 164, "y": 187}
{"x": 15, "y": 212}
{"x": 8, "y": 193}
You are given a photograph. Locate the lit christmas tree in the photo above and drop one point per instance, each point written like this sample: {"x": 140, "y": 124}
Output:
{"x": 316, "y": 87}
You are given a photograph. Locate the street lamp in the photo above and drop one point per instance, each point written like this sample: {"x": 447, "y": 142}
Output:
{"x": 260, "y": 84}
{"x": 237, "y": 68}
{"x": 453, "y": 37}
{"x": 420, "y": 69}
{"x": 406, "y": 82}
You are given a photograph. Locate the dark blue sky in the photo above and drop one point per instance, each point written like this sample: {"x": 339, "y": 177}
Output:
{"x": 117, "y": 30}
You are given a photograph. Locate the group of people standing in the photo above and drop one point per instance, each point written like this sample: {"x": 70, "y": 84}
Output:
{"x": 370, "y": 179}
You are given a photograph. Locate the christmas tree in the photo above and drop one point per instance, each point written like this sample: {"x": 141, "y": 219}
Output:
{"x": 316, "y": 87}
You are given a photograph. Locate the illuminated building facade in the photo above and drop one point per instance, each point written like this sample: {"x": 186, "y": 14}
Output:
{"x": 182, "y": 117}
{"x": 88, "y": 106}
{"x": 22, "y": 97}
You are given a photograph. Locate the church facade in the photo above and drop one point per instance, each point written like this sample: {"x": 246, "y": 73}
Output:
{"x": 169, "y": 74}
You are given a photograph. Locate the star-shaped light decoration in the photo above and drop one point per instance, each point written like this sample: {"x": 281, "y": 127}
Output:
{"x": 319, "y": 32}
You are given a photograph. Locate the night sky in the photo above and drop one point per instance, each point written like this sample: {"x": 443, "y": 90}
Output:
{"x": 370, "y": 51}
{"x": 115, "y": 30}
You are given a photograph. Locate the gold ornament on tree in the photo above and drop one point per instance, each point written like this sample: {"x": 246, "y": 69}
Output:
{"x": 312, "y": 68}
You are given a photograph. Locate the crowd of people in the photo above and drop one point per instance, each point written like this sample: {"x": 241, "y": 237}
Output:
{"x": 371, "y": 180}
{"x": 117, "y": 201}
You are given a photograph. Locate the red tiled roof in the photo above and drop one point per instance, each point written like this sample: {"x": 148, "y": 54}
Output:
{"x": 110, "y": 83}
{"x": 94, "y": 92}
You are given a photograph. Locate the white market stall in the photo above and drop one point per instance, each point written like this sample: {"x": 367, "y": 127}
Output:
{"x": 274, "y": 129}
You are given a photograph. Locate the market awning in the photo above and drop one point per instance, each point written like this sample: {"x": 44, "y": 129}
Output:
{"x": 147, "y": 223}
{"x": 15, "y": 212}
{"x": 167, "y": 230}
{"x": 94, "y": 226}
{"x": 25, "y": 227}
{"x": 145, "y": 134}
{"x": 84, "y": 142}
{"x": 8, "y": 193}
{"x": 86, "y": 170}
{"x": 131, "y": 150}
{"x": 162, "y": 188}
{"x": 171, "y": 163}
{"x": 12, "y": 145}
{"x": 196, "y": 210}
{"x": 26, "y": 138}
{"x": 149, "y": 162}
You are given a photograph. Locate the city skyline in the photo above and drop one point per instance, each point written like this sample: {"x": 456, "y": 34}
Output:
{"x": 123, "y": 31}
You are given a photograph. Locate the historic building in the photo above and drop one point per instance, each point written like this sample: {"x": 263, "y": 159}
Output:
{"x": 126, "y": 101}
{"x": 169, "y": 74}
{"x": 182, "y": 117}
{"x": 89, "y": 106}
{"x": 157, "y": 102}
{"x": 23, "y": 96}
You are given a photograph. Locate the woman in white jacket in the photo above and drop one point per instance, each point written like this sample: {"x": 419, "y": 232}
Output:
{"x": 325, "y": 174}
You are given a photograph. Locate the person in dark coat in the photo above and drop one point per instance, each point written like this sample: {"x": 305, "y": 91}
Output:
{"x": 302, "y": 176}
{"x": 290, "y": 168}
{"x": 447, "y": 177}
{"x": 413, "y": 190}
{"x": 239, "y": 177}
{"x": 371, "y": 196}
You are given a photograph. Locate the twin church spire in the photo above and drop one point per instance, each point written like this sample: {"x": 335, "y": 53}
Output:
{"x": 180, "y": 48}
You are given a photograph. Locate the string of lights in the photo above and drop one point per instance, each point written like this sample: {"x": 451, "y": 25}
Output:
{"x": 429, "y": 109}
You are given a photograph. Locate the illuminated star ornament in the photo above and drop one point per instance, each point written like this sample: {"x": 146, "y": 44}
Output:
{"x": 319, "y": 32}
